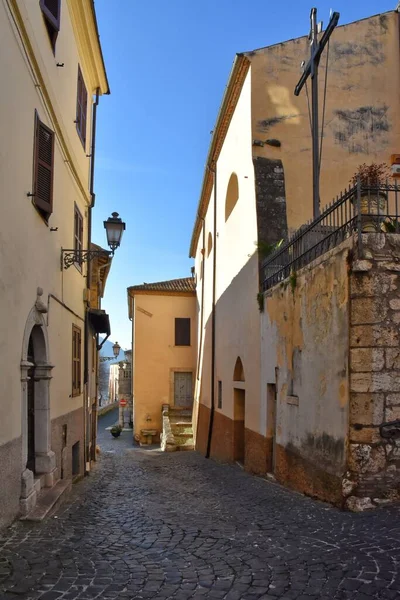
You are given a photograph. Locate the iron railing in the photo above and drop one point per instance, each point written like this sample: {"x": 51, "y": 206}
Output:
{"x": 357, "y": 210}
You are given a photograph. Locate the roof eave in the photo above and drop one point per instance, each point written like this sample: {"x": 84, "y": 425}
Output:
{"x": 236, "y": 79}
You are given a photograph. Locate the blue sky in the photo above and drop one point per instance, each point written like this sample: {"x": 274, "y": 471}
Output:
{"x": 168, "y": 63}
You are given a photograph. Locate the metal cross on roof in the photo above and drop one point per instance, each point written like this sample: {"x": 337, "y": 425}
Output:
{"x": 311, "y": 70}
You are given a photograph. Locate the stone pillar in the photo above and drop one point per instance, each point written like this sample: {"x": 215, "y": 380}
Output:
{"x": 45, "y": 458}
{"x": 373, "y": 475}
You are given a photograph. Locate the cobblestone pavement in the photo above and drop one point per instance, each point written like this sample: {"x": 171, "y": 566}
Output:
{"x": 151, "y": 525}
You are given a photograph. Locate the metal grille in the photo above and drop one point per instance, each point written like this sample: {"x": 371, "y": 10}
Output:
{"x": 357, "y": 210}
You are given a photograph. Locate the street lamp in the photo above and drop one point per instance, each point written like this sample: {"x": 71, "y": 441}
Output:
{"x": 114, "y": 227}
{"x": 116, "y": 348}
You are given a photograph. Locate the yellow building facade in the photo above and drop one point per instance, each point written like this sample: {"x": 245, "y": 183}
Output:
{"x": 51, "y": 67}
{"x": 164, "y": 346}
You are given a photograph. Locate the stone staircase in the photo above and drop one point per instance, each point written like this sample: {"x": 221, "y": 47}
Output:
{"x": 177, "y": 429}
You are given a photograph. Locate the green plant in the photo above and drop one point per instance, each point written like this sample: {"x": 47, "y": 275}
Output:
{"x": 371, "y": 175}
{"x": 293, "y": 280}
{"x": 116, "y": 430}
{"x": 266, "y": 249}
{"x": 260, "y": 300}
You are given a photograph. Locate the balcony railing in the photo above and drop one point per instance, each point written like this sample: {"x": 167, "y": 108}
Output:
{"x": 357, "y": 210}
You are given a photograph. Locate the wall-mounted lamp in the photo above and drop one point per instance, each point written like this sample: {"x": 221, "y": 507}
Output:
{"x": 114, "y": 227}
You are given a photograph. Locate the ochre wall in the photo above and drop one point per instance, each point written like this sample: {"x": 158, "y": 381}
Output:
{"x": 362, "y": 123}
{"x": 155, "y": 356}
{"x": 304, "y": 352}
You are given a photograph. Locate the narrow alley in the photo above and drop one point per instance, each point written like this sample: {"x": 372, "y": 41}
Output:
{"x": 150, "y": 525}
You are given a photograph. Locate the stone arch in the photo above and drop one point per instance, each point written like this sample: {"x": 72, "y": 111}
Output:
{"x": 232, "y": 195}
{"x": 36, "y": 333}
{"x": 238, "y": 372}
{"x": 209, "y": 244}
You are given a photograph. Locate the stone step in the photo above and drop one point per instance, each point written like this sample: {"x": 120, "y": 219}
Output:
{"x": 48, "y": 500}
{"x": 184, "y": 412}
{"x": 185, "y": 447}
{"x": 182, "y": 434}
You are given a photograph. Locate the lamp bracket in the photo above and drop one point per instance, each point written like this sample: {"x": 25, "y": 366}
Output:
{"x": 77, "y": 257}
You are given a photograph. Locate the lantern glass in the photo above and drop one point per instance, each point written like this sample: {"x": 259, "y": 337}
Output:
{"x": 114, "y": 227}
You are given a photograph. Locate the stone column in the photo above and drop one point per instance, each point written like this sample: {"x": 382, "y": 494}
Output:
{"x": 45, "y": 459}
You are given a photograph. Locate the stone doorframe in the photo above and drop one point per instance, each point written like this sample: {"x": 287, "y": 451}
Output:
{"x": 45, "y": 460}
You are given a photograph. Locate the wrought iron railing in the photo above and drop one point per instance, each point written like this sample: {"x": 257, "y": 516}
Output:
{"x": 357, "y": 210}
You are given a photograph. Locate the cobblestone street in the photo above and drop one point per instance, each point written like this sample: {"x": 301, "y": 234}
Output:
{"x": 151, "y": 525}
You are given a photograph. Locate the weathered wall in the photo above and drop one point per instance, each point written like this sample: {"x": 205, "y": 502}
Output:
{"x": 155, "y": 356}
{"x": 362, "y": 123}
{"x": 374, "y": 462}
{"x": 304, "y": 352}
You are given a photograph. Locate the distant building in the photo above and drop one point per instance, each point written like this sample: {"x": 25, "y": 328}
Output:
{"x": 163, "y": 350}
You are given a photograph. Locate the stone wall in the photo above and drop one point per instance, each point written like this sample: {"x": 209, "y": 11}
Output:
{"x": 373, "y": 475}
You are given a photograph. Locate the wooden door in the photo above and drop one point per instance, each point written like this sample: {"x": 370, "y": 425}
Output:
{"x": 183, "y": 394}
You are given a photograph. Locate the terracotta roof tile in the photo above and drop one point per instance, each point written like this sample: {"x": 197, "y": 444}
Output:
{"x": 187, "y": 284}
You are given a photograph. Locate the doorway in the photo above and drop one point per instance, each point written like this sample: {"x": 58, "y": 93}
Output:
{"x": 183, "y": 389}
{"x": 30, "y": 463}
{"x": 239, "y": 402}
{"x": 271, "y": 424}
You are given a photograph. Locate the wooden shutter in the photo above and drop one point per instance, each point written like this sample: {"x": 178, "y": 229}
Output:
{"x": 81, "y": 107}
{"x": 182, "y": 332}
{"x": 51, "y": 9}
{"x": 44, "y": 167}
{"x": 76, "y": 360}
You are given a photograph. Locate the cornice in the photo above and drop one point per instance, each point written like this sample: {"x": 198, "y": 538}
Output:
{"x": 84, "y": 24}
{"x": 228, "y": 106}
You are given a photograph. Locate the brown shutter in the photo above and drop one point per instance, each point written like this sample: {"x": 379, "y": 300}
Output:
{"x": 51, "y": 8}
{"x": 43, "y": 170}
{"x": 76, "y": 361}
{"x": 182, "y": 332}
{"x": 81, "y": 107}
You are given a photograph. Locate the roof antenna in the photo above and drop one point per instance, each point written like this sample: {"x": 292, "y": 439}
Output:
{"x": 192, "y": 271}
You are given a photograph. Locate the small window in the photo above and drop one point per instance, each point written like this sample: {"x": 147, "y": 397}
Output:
{"x": 81, "y": 108}
{"x": 51, "y": 10}
{"x": 76, "y": 360}
{"x": 43, "y": 168}
{"x": 219, "y": 394}
{"x": 182, "y": 332}
{"x": 209, "y": 244}
{"x": 232, "y": 195}
{"x": 78, "y": 237}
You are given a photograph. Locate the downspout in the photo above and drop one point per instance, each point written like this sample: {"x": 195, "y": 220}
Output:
{"x": 86, "y": 394}
{"x": 210, "y": 429}
{"x": 203, "y": 265}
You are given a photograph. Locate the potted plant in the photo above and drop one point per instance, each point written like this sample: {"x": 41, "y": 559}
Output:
{"x": 371, "y": 179}
{"x": 116, "y": 430}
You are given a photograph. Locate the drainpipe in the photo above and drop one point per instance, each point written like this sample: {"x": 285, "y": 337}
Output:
{"x": 86, "y": 394}
{"x": 210, "y": 429}
{"x": 203, "y": 269}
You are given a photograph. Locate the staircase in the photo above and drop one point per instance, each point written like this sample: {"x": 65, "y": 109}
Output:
{"x": 177, "y": 429}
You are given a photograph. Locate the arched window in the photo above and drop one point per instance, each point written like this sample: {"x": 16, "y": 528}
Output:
{"x": 209, "y": 244}
{"x": 238, "y": 373}
{"x": 232, "y": 195}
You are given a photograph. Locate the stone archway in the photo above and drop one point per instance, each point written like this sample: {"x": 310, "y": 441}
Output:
{"x": 35, "y": 341}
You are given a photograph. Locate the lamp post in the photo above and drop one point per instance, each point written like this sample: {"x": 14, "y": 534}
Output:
{"x": 114, "y": 227}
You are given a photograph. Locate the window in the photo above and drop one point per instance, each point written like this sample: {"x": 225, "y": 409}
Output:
{"x": 182, "y": 332}
{"x": 43, "y": 168}
{"x": 51, "y": 10}
{"x": 76, "y": 360}
{"x": 232, "y": 195}
{"x": 219, "y": 394}
{"x": 81, "y": 108}
{"x": 78, "y": 236}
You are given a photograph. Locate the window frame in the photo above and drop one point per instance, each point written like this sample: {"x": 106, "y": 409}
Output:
{"x": 76, "y": 360}
{"x": 44, "y": 208}
{"x": 81, "y": 107}
{"x": 78, "y": 239}
{"x": 177, "y": 332}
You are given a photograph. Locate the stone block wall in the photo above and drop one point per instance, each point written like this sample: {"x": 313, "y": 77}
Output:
{"x": 373, "y": 475}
